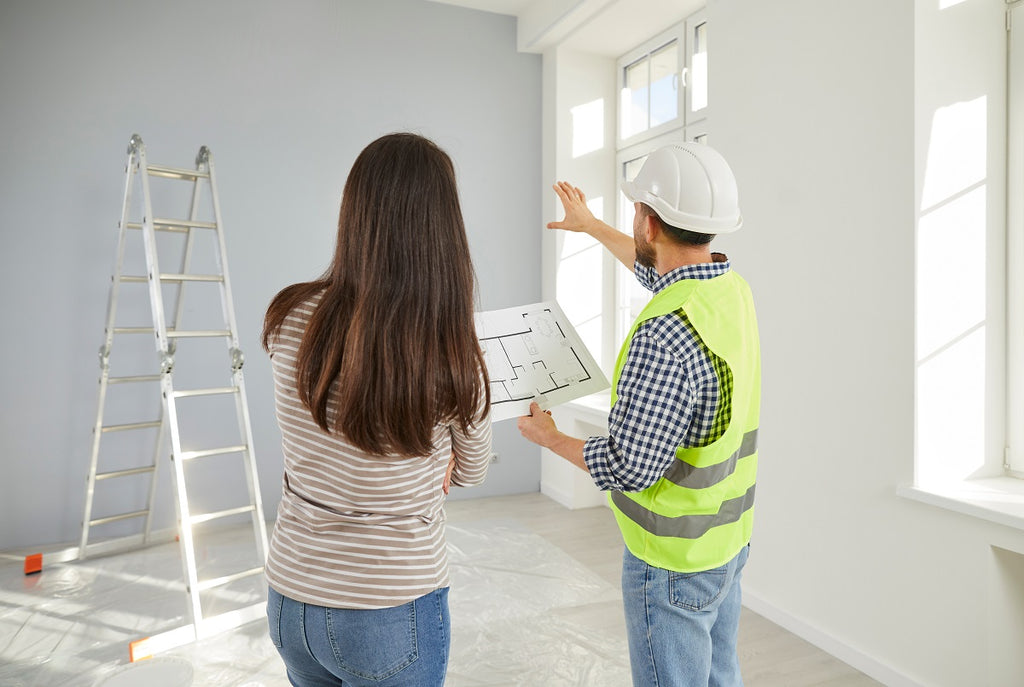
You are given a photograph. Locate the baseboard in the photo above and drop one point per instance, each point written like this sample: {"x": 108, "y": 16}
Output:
{"x": 863, "y": 662}
{"x": 560, "y": 496}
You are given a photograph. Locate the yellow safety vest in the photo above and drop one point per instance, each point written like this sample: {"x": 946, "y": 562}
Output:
{"x": 700, "y": 514}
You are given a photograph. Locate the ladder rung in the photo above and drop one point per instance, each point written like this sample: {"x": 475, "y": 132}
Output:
{"x": 124, "y": 473}
{"x": 115, "y": 518}
{"x": 174, "y": 230}
{"x": 170, "y": 224}
{"x": 189, "y": 455}
{"x": 137, "y": 279}
{"x": 180, "y": 226}
{"x": 137, "y": 378}
{"x": 206, "y": 392}
{"x": 226, "y": 579}
{"x": 174, "y": 333}
{"x": 196, "y": 333}
{"x": 191, "y": 277}
{"x": 130, "y": 425}
{"x": 175, "y": 172}
{"x": 196, "y": 519}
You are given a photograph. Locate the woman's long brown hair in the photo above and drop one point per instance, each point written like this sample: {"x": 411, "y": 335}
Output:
{"x": 392, "y": 340}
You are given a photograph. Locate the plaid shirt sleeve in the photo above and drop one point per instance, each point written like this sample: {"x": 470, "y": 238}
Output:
{"x": 667, "y": 397}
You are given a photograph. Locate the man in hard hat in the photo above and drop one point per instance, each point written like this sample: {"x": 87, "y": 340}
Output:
{"x": 680, "y": 459}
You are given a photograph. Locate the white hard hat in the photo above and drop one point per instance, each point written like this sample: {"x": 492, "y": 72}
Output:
{"x": 690, "y": 186}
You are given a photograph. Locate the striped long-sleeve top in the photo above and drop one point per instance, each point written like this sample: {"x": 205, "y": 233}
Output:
{"x": 355, "y": 530}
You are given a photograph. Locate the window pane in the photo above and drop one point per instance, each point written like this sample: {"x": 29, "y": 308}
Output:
{"x": 699, "y": 78}
{"x": 631, "y": 296}
{"x": 632, "y": 168}
{"x": 634, "y": 298}
{"x": 665, "y": 84}
{"x": 626, "y": 210}
{"x": 634, "y": 98}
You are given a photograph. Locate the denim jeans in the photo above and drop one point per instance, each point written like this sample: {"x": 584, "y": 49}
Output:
{"x": 682, "y": 627}
{"x": 404, "y": 646}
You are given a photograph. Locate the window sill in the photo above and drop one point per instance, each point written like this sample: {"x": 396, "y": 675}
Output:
{"x": 592, "y": 409}
{"x": 996, "y": 499}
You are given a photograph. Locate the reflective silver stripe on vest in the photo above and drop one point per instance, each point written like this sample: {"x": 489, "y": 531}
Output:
{"x": 686, "y": 475}
{"x": 684, "y": 526}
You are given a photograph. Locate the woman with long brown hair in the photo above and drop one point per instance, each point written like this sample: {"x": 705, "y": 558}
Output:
{"x": 383, "y": 400}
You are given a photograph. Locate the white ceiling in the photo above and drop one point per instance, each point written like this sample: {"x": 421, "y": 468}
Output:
{"x": 513, "y": 7}
{"x": 617, "y": 27}
{"x": 623, "y": 25}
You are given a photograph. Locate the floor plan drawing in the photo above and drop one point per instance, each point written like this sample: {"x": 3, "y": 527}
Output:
{"x": 533, "y": 353}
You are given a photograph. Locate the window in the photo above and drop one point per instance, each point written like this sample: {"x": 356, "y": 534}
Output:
{"x": 688, "y": 43}
{"x": 969, "y": 258}
{"x": 697, "y": 66}
{"x": 650, "y": 91}
{"x": 663, "y": 84}
{"x": 968, "y": 252}
{"x": 660, "y": 95}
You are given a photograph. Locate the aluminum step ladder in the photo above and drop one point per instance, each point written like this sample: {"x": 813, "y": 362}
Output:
{"x": 169, "y": 335}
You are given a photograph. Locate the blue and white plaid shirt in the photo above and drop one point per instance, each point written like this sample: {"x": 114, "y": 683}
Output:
{"x": 668, "y": 393}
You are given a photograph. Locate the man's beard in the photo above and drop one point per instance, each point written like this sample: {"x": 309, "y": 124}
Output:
{"x": 644, "y": 252}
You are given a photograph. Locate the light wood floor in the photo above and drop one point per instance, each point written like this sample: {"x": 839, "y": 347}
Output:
{"x": 535, "y": 602}
{"x": 769, "y": 655}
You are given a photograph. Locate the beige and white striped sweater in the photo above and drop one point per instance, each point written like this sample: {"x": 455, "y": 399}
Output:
{"x": 355, "y": 530}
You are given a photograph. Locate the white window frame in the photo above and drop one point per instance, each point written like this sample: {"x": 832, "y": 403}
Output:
{"x": 1014, "y": 460}
{"x": 690, "y": 26}
{"x": 677, "y": 34}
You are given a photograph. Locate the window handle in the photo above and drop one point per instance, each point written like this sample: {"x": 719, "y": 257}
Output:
{"x": 682, "y": 77}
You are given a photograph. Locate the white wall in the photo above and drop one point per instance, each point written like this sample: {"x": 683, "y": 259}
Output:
{"x": 819, "y": 109}
{"x": 825, "y": 111}
{"x": 285, "y": 95}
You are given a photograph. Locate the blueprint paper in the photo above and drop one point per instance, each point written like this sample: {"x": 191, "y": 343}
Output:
{"x": 533, "y": 353}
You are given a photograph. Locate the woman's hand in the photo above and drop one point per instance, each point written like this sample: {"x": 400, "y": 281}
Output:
{"x": 447, "y": 484}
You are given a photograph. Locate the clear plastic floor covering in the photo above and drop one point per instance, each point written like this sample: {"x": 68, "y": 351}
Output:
{"x": 523, "y": 613}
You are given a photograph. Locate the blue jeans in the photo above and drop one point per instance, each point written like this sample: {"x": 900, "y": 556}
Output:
{"x": 682, "y": 627}
{"x": 404, "y": 646}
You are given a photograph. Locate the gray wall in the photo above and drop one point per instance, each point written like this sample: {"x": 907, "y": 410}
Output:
{"x": 285, "y": 95}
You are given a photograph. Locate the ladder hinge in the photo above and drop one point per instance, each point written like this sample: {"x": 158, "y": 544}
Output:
{"x": 134, "y": 144}
{"x": 237, "y": 359}
{"x": 104, "y": 357}
{"x": 166, "y": 362}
